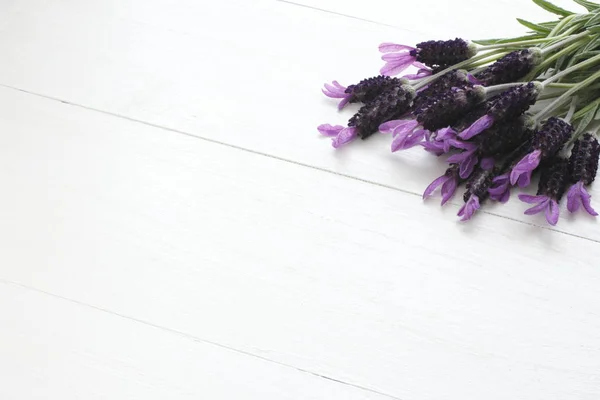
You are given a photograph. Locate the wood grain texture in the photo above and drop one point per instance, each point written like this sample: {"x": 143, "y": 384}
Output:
{"x": 54, "y": 349}
{"x": 345, "y": 279}
{"x": 243, "y": 73}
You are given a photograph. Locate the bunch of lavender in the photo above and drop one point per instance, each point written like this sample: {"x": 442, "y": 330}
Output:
{"x": 497, "y": 111}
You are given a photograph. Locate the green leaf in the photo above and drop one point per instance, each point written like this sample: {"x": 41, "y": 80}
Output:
{"x": 588, "y": 4}
{"x": 585, "y": 110}
{"x": 587, "y": 118}
{"x": 594, "y": 20}
{"x": 549, "y": 24}
{"x": 546, "y": 5}
{"x": 594, "y": 29}
{"x": 533, "y": 26}
{"x": 487, "y": 42}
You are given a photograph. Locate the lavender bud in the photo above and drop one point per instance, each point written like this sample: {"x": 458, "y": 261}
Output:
{"x": 447, "y": 108}
{"x": 456, "y": 78}
{"x": 389, "y": 105}
{"x": 551, "y": 137}
{"x": 505, "y": 137}
{"x": 583, "y": 163}
{"x": 368, "y": 89}
{"x": 514, "y": 101}
{"x": 510, "y": 68}
{"x": 443, "y": 53}
{"x": 554, "y": 178}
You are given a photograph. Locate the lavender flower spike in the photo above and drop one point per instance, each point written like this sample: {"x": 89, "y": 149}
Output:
{"x": 449, "y": 182}
{"x": 337, "y": 91}
{"x": 477, "y": 192}
{"x": 551, "y": 188}
{"x": 341, "y": 135}
{"x": 508, "y": 105}
{"x": 583, "y": 166}
{"x": 545, "y": 144}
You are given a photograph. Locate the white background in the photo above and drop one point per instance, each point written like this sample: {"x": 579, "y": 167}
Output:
{"x": 173, "y": 227}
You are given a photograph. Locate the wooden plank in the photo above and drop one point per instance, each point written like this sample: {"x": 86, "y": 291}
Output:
{"x": 246, "y": 74}
{"x": 52, "y": 348}
{"x": 345, "y": 279}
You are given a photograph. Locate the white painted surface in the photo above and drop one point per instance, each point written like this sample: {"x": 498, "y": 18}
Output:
{"x": 266, "y": 278}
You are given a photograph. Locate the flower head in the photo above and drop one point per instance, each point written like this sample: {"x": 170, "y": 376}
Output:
{"x": 551, "y": 188}
{"x": 435, "y": 54}
{"x": 391, "y": 104}
{"x": 510, "y": 68}
{"x": 456, "y": 78}
{"x": 449, "y": 182}
{"x": 477, "y": 192}
{"x": 508, "y": 105}
{"x": 545, "y": 143}
{"x": 446, "y": 108}
{"x": 583, "y": 166}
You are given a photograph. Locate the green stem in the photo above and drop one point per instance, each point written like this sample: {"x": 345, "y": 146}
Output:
{"x": 568, "y": 40}
{"x": 566, "y": 96}
{"x": 561, "y": 25}
{"x": 586, "y": 63}
{"x": 426, "y": 81}
{"x": 513, "y": 44}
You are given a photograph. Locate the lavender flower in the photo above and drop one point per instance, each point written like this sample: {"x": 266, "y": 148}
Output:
{"x": 435, "y": 54}
{"x": 363, "y": 92}
{"x": 505, "y": 137}
{"x": 551, "y": 188}
{"x": 456, "y": 78}
{"x": 500, "y": 188}
{"x": 436, "y": 115}
{"x": 392, "y": 103}
{"x": 477, "y": 192}
{"x": 508, "y": 105}
{"x": 546, "y": 143}
{"x": 510, "y": 68}
{"x": 449, "y": 182}
{"x": 583, "y": 165}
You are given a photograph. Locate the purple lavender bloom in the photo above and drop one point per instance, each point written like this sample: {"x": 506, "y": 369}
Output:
{"x": 340, "y": 135}
{"x": 392, "y": 103}
{"x": 469, "y": 209}
{"x": 449, "y": 182}
{"x": 362, "y": 92}
{"x": 438, "y": 54}
{"x": 551, "y": 188}
{"x": 467, "y": 159}
{"x": 583, "y": 166}
{"x": 545, "y": 144}
{"x": 477, "y": 192}
{"x": 578, "y": 196}
{"x": 448, "y": 107}
{"x": 510, "y": 68}
{"x": 456, "y": 78}
{"x": 337, "y": 91}
{"x": 405, "y": 136}
{"x": 508, "y": 105}
{"x": 500, "y": 189}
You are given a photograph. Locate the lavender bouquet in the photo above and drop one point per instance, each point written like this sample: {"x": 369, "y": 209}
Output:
{"x": 498, "y": 111}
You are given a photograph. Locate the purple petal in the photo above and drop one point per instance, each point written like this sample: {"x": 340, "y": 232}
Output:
{"x": 422, "y": 73}
{"x": 458, "y": 144}
{"x": 344, "y": 101}
{"x": 467, "y": 166}
{"x": 406, "y": 141}
{"x": 346, "y": 135}
{"x": 448, "y": 190}
{"x": 477, "y": 127}
{"x": 578, "y": 196}
{"x": 436, "y": 148}
{"x": 434, "y": 185}
{"x": 500, "y": 190}
{"x": 393, "y": 47}
{"x": 335, "y": 91}
{"x": 445, "y": 134}
{"x": 552, "y": 212}
{"x": 530, "y": 199}
{"x": 392, "y": 126}
{"x": 329, "y": 130}
{"x": 468, "y": 210}
{"x": 538, "y": 208}
{"x": 422, "y": 67}
{"x": 521, "y": 173}
{"x": 394, "y": 67}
